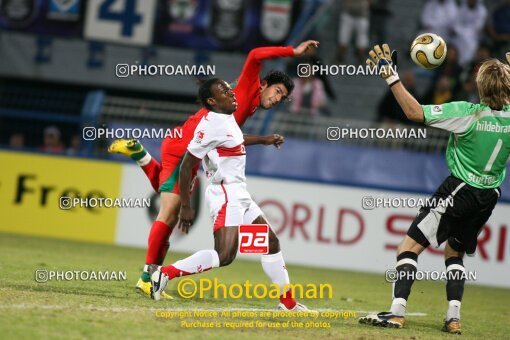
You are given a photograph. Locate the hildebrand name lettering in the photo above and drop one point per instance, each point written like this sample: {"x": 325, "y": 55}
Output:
{"x": 491, "y": 127}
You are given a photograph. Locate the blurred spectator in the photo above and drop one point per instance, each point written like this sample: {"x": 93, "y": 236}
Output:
{"x": 469, "y": 92}
{"x": 379, "y": 14}
{"x": 438, "y": 16}
{"x": 451, "y": 69}
{"x": 354, "y": 19}
{"x": 388, "y": 110}
{"x": 311, "y": 90}
{"x": 440, "y": 94}
{"x": 51, "y": 140}
{"x": 468, "y": 28}
{"x": 17, "y": 141}
{"x": 74, "y": 147}
{"x": 499, "y": 28}
{"x": 482, "y": 54}
{"x": 308, "y": 89}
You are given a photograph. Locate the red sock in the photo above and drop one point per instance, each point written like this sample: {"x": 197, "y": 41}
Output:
{"x": 158, "y": 243}
{"x": 172, "y": 272}
{"x": 152, "y": 171}
{"x": 288, "y": 300}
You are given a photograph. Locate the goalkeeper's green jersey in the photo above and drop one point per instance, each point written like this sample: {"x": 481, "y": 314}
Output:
{"x": 479, "y": 145}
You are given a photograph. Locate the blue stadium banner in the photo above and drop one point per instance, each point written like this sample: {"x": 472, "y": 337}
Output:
{"x": 218, "y": 25}
{"x": 224, "y": 24}
{"x": 66, "y": 10}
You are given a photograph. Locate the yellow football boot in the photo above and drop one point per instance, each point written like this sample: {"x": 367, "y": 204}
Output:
{"x": 128, "y": 147}
{"x": 145, "y": 289}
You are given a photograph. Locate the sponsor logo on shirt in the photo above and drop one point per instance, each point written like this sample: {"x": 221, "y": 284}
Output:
{"x": 199, "y": 136}
{"x": 483, "y": 179}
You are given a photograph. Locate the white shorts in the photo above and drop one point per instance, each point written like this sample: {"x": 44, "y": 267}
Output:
{"x": 230, "y": 205}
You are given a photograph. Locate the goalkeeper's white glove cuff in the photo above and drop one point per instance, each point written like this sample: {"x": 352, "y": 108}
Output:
{"x": 392, "y": 80}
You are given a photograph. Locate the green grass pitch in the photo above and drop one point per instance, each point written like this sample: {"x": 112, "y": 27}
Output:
{"x": 112, "y": 309}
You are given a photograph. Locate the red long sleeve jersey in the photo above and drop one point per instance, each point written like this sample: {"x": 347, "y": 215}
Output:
{"x": 247, "y": 92}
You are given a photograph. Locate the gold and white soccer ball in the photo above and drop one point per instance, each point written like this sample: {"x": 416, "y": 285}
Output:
{"x": 428, "y": 50}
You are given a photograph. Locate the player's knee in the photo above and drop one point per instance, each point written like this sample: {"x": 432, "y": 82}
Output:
{"x": 403, "y": 247}
{"x": 453, "y": 248}
{"x": 168, "y": 218}
{"x": 413, "y": 244}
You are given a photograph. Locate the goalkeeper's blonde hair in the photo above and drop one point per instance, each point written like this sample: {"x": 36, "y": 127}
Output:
{"x": 493, "y": 80}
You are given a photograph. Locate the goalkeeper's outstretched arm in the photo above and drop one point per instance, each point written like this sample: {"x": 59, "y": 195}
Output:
{"x": 387, "y": 61}
{"x": 408, "y": 103}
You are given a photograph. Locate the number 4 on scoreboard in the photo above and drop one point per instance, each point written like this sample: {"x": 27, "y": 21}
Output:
{"x": 120, "y": 21}
{"x": 127, "y": 17}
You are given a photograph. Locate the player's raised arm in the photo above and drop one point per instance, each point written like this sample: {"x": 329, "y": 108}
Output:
{"x": 305, "y": 48}
{"x": 275, "y": 139}
{"x": 253, "y": 64}
{"x": 383, "y": 58}
{"x": 408, "y": 103}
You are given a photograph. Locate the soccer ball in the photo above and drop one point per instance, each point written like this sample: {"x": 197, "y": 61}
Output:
{"x": 428, "y": 50}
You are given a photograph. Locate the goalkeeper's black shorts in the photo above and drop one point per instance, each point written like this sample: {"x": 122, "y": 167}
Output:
{"x": 456, "y": 212}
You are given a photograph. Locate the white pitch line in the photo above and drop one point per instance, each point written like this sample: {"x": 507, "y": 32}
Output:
{"x": 151, "y": 309}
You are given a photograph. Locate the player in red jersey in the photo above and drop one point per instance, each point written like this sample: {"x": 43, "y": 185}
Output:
{"x": 251, "y": 93}
{"x": 219, "y": 142}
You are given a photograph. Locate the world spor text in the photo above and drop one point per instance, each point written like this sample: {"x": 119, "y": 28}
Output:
{"x": 341, "y": 226}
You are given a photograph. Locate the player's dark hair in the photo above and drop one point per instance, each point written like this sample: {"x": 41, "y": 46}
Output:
{"x": 279, "y": 77}
{"x": 204, "y": 92}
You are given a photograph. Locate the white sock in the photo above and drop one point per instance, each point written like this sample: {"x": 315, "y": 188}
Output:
{"x": 274, "y": 267}
{"x": 398, "y": 307}
{"x": 144, "y": 160}
{"x": 453, "y": 310}
{"x": 198, "y": 262}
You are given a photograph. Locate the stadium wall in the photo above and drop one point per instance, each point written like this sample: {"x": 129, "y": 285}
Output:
{"x": 318, "y": 224}
{"x": 324, "y": 225}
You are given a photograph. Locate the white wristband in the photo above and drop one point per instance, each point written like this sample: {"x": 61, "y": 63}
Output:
{"x": 392, "y": 79}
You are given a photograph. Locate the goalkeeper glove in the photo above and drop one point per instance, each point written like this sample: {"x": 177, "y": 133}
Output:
{"x": 386, "y": 62}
